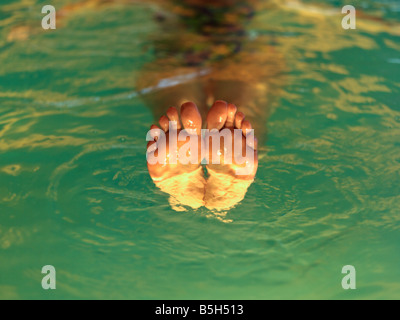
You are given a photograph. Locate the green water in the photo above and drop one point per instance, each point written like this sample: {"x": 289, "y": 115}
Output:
{"x": 75, "y": 192}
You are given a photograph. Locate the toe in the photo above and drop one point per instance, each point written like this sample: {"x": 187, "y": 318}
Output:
{"x": 154, "y": 132}
{"x": 164, "y": 123}
{"x": 231, "y": 115}
{"x": 253, "y": 144}
{"x": 173, "y": 115}
{"x": 191, "y": 118}
{"x": 239, "y": 119}
{"x": 246, "y": 126}
{"x": 216, "y": 117}
{"x": 251, "y": 140}
{"x": 151, "y": 146}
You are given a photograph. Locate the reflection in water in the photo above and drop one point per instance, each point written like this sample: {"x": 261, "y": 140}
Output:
{"x": 225, "y": 184}
{"x": 328, "y": 189}
{"x": 204, "y": 53}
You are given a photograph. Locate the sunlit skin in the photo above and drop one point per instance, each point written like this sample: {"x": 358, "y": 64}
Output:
{"x": 203, "y": 53}
{"x": 221, "y": 116}
{"x": 186, "y": 183}
{"x": 189, "y": 119}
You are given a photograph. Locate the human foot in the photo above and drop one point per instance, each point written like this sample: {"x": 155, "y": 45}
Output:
{"x": 228, "y": 181}
{"x": 184, "y": 182}
{"x": 236, "y": 154}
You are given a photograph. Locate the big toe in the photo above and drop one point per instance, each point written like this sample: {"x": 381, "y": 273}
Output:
{"x": 217, "y": 115}
{"x": 191, "y": 118}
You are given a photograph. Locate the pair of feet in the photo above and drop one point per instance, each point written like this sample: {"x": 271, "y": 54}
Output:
{"x": 227, "y": 180}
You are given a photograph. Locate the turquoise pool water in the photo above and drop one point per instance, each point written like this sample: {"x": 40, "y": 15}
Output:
{"x": 75, "y": 192}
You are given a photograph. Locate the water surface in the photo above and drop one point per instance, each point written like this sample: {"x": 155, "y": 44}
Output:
{"x": 75, "y": 192}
